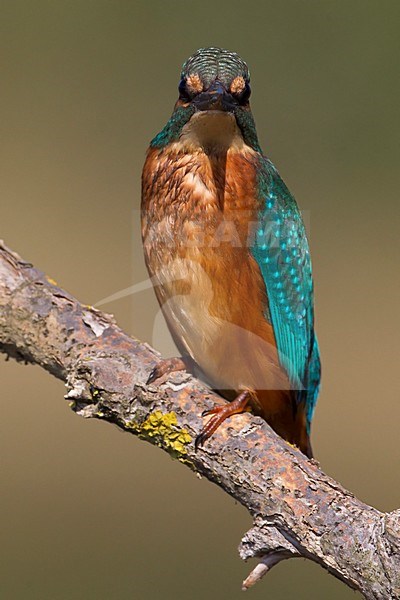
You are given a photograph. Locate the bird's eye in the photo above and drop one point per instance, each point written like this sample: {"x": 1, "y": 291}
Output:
{"x": 245, "y": 94}
{"x": 183, "y": 91}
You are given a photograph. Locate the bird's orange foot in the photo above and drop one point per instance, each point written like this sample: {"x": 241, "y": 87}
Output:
{"x": 166, "y": 366}
{"x": 220, "y": 413}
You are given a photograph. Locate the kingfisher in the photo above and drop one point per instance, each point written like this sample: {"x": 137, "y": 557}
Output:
{"x": 226, "y": 248}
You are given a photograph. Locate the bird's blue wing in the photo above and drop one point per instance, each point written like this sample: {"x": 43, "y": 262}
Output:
{"x": 280, "y": 248}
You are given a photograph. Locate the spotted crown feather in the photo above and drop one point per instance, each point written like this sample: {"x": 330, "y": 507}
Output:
{"x": 215, "y": 63}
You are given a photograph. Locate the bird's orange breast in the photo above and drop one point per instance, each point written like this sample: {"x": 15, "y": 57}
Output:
{"x": 198, "y": 215}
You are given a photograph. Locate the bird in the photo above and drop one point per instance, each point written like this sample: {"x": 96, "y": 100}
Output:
{"x": 227, "y": 252}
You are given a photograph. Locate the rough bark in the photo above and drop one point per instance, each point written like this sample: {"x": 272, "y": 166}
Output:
{"x": 296, "y": 508}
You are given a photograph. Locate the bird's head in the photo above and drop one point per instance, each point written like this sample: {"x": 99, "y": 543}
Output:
{"x": 214, "y": 79}
{"x": 214, "y": 92}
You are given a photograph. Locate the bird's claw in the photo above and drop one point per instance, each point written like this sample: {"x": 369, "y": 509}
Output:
{"x": 219, "y": 414}
{"x": 154, "y": 374}
{"x": 199, "y": 441}
{"x": 211, "y": 426}
{"x": 210, "y": 411}
{"x": 165, "y": 367}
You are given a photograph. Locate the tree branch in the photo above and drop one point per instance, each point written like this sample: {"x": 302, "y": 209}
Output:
{"x": 296, "y": 508}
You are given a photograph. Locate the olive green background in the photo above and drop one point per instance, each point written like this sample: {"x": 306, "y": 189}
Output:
{"x": 87, "y": 512}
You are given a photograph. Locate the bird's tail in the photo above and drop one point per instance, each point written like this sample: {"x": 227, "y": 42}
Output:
{"x": 287, "y": 416}
{"x": 301, "y": 431}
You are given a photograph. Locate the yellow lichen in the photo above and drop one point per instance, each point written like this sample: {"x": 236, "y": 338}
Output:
{"x": 163, "y": 427}
{"x": 131, "y": 425}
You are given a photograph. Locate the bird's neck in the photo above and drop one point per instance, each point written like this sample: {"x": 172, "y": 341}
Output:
{"x": 208, "y": 171}
{"x": 208, "y": 129}
{"x": 208, "y": 163}
{"x": 211, "y": 132}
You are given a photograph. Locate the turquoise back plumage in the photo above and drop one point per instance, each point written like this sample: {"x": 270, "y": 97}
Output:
{"x": 280, "y": 248}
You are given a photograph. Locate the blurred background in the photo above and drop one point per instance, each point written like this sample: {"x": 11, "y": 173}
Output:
{"x": 88, "y": 512}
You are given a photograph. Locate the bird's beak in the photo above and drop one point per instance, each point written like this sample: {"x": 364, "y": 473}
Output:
{"x": 216, "y": 97}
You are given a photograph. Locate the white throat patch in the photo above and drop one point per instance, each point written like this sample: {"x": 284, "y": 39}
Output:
{"x": 212, "y": 130}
